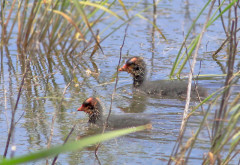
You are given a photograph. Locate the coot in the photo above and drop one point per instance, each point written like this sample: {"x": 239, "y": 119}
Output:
{"x": 93, "y": 108}
{"x": 161, "y": 88}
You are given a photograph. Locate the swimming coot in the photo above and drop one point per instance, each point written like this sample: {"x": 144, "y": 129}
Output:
{"x": 161, "y": 88}
{"x": 93, "y": 108}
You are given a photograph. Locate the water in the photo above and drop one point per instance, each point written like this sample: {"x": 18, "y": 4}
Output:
{"x": 42, "y": 94}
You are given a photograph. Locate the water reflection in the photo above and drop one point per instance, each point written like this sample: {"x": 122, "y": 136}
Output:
{"x": 137, "y": 104}
{"x": 50, "y": 71}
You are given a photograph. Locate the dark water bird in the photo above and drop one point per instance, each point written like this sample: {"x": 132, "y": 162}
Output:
{"x": 93, "y": 108}
{"x": 161, "y": 88}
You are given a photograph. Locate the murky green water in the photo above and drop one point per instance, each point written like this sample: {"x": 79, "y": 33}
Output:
{"x": 42, "y": 94}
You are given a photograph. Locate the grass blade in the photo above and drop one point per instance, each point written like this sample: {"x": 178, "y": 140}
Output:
{"x": 70, "y": 21}
{"x": 73, "y": 146}
{"x": 100, "y": 7}
{"x": 124, "y": 8}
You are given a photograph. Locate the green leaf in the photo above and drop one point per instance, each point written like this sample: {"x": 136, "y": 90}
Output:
{"x": 124, "y": 8}
{"x": 73, "y": 146}
{"x": 194, "y": 42}
{"x": 70, "y": 21}
{"x": 100, "y": 7}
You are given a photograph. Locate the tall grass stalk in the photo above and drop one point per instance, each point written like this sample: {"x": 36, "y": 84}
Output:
{"x": 186, "y": 110}
{"x": 194, "y": 42}
{"x": 12, "y": 124}
{"x": 222, "y": 134}
{"x": 225, "y": 133}
{"x": 232, "y": 53}
{"x": 114, "y": 90}
{"x": 56, "y": 114}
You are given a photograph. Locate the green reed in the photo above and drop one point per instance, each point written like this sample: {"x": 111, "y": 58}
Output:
{"x": 182, "y": 57}
{"x": 225, "y": 131}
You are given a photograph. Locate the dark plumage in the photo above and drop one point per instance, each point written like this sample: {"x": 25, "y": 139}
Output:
{"x": 93, "y": 108}
{"x": 161, "y": 88}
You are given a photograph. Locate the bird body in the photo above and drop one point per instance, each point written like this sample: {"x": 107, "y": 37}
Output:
{"x": 169, "y": 89}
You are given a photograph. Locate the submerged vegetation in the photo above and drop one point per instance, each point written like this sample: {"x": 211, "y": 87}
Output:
{"x": 46, "y": 43}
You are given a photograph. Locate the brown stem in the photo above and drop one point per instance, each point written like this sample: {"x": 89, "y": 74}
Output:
{"x": 185, "y": 118}
{"x": 223, "y": 24}
{"x": 12, "y": 126}
{"x": 70, "y": 133}
{"x": 56, "y": 113}
{"x": 224, "y": 42}
{"x": 223, "y": 107}
{"x": 115, "y": 88}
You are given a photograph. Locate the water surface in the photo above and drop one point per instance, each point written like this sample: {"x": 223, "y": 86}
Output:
{"x": 41, "y": 96}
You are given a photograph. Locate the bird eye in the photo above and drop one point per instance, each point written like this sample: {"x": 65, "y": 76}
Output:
{"x": 136, "y": 68}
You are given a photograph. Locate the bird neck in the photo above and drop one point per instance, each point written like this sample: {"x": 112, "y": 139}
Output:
{"x": 139, "y": 77}
{"x": 138, "y": 81}
{"x": 96, "y": 115}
